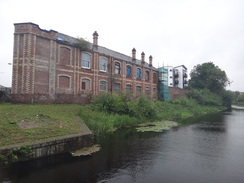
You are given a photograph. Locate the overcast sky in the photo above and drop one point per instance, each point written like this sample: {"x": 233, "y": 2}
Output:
{"x": 174, "y": 32}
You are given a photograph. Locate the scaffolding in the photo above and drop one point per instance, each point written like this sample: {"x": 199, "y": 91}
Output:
{"x": 163, "y": 93}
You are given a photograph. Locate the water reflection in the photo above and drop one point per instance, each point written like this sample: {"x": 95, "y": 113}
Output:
{"x": 209, "y": 151}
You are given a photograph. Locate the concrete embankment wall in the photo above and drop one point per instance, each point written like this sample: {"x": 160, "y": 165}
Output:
{"x": 52, "y": 146}
{"x": 62, "y": 145}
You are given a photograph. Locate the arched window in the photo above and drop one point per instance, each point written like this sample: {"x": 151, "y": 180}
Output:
{"x": 138, "y": 73}
{"x": 103, "y": 86}
{"x": 154, "y": 91}
{"x": 85, "y": 84}
{"x": 154, "y": 78}
{"x": 117, "y": 87}
{"x": 128, "y": 88}
{"x": 103, "y": 65}
{"x": 128, "y": 71}
{"x": 117, "y": 68}
{"x": 64, "y": 82}
{"x": 86, "y": 60}
{"x": 65, "y": 55}
{"x": 147, "y": 76}
{"x": 147, "y": 90}
{"x": 138, "y": 90}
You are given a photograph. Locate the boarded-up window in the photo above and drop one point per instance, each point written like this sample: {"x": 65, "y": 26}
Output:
{"x": 65, "y": 56}
{"x": 154, "y": 78}
{"x": 147, "y": 90}
{"x": 64, "y": 82}
{"x": 85, "y": 84}
{"x": 117, "y": 87}
{"x": 128, "y": 88}
{"x": 138, "y": 90}
{"x": 103, "y": 85}
{"x": 42, "y": 48}
{"x": 154, "y": 91}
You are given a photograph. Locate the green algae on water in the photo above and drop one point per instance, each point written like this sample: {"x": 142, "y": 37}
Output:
{"x": 157, "y": 126}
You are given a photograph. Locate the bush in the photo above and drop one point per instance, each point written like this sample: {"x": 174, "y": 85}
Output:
{"x": 140, "y": 108}
{"x": 204, "y": 97}
{"x": 227, "y": 98}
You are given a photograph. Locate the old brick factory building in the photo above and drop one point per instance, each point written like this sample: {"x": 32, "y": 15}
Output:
{"x": 51, "y": 67}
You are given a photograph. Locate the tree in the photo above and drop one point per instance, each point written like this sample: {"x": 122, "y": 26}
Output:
{"x": 208, "y": 76}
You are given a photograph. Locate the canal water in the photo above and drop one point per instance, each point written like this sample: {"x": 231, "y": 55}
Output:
{"x": 211, "y": 150}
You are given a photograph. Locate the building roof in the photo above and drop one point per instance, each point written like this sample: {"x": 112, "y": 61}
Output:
{"x": 181, "y": 66}
{"x": 101, "y": 50}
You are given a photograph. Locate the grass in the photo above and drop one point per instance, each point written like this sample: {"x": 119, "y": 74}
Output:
{"x": 40, "y": 121}
{"x": 21, "y": 123}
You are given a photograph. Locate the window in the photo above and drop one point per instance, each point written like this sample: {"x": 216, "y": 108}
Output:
{"x": 103, "y": 85}
{"x": 147, "y": 90}
{"x": 103, "y": 64}
{"x": 147, "y": 76}
{"x": 138, "y": 72}
{"x": 117, "y": 87}
{"x": 138, "y": 89}
{"x": 117, "y": 68}
{"x": 154, "y": 91}
{"x": 128, "y": 88}
{"x": 64, "y": 82}
{"x": 85, "y": 84}
{"x": 86, "y": 59}
{"x": 154, "y": 78}
{"x": 128, "y": 71}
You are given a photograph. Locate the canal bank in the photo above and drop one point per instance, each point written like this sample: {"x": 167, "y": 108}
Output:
{"x": 48, "y": 147}
{"x": 208, "y": 151}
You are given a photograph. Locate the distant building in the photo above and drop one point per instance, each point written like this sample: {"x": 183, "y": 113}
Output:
{"x": 177, "y": 76}
{"x": 51, "y": 67}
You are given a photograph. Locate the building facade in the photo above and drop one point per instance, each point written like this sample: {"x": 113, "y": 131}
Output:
{"x": 177, "y": 76}
{"x": 51, "y": 67}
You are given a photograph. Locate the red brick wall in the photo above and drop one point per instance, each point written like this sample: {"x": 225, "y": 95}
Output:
{"x": 175, "y": 93}
{"x": 47, "y": 71}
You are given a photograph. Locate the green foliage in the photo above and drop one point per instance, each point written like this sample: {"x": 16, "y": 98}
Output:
{"x": 102, "y": 122}
{"x": 109, "y": 112}
{"x": 240, "y": 98}
{"x": 208, "y": 76}
{"x": 82, "y": 43}
{"x": 142, "y": 107}
{"x": 204, "y": 97}
{"x": 227, "y": 98}
{"x": 10, "y": 156}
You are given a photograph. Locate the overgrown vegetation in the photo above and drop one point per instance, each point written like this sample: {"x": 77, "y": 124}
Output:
{"x": 10, "y": 156}
{"x": 108, "y": 112}
{"x": 82, "y": 44}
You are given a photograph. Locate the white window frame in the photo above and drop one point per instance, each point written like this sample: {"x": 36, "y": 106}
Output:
{"x": 103, "y": 64}
{"x": 83, "y": 60}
